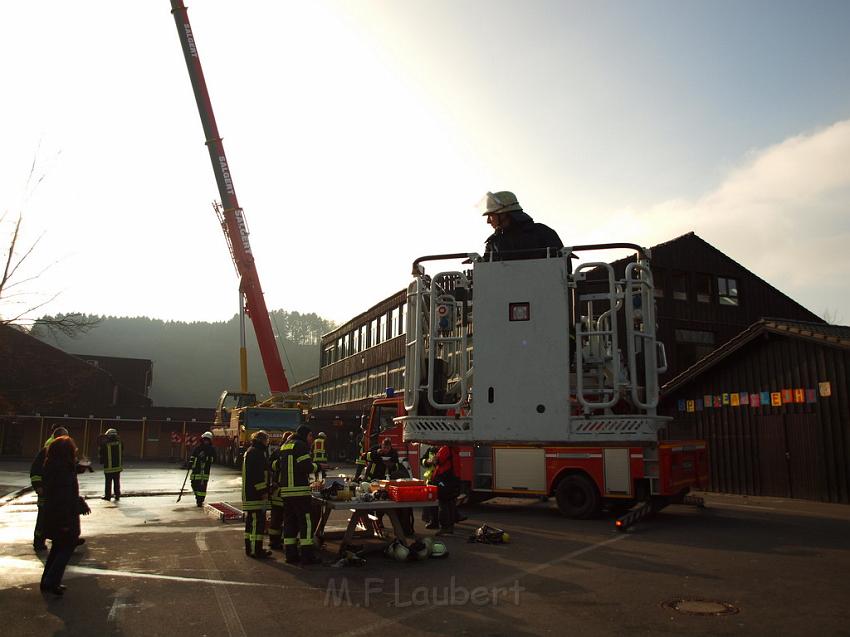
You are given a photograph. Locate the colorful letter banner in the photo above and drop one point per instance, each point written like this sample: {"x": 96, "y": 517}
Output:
{"x": 787, "y": 396}
{"x": 718, "y": 401}
{"x": 799, "y": 396}
{"x": 707, "y": 400}
{"x": 735, "y": 399}
{"x": 811, "y": 396}
{"x": 690, "y": 405}
{"x": 699, "y": 404}
{"x": 776, "y": 399}
{"x": 725, "y": 399}
{"x": 825, "y": 389}
{"x": 681, "y": 405}
{"x": 765, "y": 398}
{"x": 755, "y": 400}
{"x": 745, "y": 398}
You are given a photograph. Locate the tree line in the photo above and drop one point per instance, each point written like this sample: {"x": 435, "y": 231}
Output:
{"x": 194, "y": 362}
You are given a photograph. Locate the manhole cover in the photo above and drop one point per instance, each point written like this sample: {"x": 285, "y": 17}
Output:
{"x": 701, "y": 607}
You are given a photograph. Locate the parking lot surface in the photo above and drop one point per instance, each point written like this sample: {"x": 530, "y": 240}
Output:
{"x": 152, "y": 566}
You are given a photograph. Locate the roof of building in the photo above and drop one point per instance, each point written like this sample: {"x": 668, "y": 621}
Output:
{"x": 837, "y": 336}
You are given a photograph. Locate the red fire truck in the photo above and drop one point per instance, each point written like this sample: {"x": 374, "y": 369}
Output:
{"x": 562, "y": 397}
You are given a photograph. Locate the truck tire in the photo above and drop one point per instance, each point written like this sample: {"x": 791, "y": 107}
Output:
{"x": 577, "y": 497}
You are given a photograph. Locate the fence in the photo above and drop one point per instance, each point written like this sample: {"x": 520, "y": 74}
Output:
{"x": 144, "y": 439}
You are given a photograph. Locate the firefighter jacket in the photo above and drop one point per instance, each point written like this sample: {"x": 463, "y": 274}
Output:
{"x": 274, "y": 491}
{"x": 381, "y": 463}
{"x": 111, "y": 455}
{"x": 319, "y": 452}
{"x": 201, "y": 458}
{"x": 429, "y": 464}
{"x": 523, "y": 239}
{"x": 255, "y": 478}
{"x": 294, "y": 468}
{"x": 37, "y": 466}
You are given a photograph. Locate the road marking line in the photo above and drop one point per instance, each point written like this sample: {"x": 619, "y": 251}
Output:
{"x": 404, "y": 617}
{"x": 222, "y": 596}
{"x": 743, "y": 506}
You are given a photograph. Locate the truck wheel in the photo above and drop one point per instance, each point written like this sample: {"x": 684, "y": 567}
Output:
{"x": 577, "y": 497}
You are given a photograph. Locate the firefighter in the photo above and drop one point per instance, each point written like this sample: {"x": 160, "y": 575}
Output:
{"x": 111, "y": 457}
{"x": 360, "y": 462}
{"x": 294, "y": 468}
{"x": 255, "y": 489}
{"x": 36, "y": 478}
{"x": 448, "y": 485}
{"x": 430, "y": 515}
{"x": 320, "y": 454}
{"x": 276, "y": 520}
{"x": 381, "y": 461}
{"x": 516, "y": 235}
{"x": 200, "y": 460}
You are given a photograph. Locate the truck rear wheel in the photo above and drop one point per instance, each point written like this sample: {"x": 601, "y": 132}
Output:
{"x": 577, "y": 497}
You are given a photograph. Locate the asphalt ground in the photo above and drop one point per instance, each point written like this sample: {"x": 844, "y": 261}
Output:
{"x": 151, "y": 566}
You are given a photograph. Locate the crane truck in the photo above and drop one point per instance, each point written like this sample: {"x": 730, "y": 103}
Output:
{"x": 543, "y": 381}
{"x": 238, "y": 414}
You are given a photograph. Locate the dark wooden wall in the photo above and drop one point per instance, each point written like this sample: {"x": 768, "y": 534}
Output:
{"x": 799, "y": 450}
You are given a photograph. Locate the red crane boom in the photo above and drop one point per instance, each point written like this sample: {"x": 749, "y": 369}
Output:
{"x": 233, "y": 222}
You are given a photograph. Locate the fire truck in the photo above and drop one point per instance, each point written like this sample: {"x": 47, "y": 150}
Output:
{"x": 543, "y": 380}
{"x": 238, "y": 414}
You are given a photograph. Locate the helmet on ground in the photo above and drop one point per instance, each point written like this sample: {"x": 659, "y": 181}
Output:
{"x": 207, "y": 434}
{"x": 401, "y": 553}
{"x": 499, "y": 202}
{"x": 429, "y": 544}
{"x": 439, "y": 550}
{"x": 111, "y": 432}
{"x": 506, "y": 537}
{"x": 420, "y": 550}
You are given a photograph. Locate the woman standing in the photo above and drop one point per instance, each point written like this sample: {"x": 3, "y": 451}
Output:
{"x": 63, "y": 507}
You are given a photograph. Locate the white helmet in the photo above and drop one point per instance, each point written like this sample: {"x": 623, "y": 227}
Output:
{"x": 439, "y": 550}
{"x": 401, "y": 552}
{"x": 497, "y": 203}
{"x": 111, "y": 432}
{"x": 208, "y": 435}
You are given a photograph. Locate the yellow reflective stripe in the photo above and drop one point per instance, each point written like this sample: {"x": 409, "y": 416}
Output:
{"x": 308, "y": 541}
{"x": 260, "y": 486}
{"x": 289, "y": 540}
{"x": 306, "y": 456}
{"x": 290, "y": 470}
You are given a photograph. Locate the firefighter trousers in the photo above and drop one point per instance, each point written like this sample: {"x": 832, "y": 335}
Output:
{"x": 255, "y": 528}
{"x": 199, "y": 487}
{"x": 298, "y": 528}
{"x": 112, "y": 480}
{"x": 276, "y": 526}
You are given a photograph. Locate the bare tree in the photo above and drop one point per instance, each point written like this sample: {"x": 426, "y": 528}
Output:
{"x": 16, "y": 307}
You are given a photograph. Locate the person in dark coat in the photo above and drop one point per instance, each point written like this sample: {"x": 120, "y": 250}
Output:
{"x": 255, "y": 493}
{"x": 36, "y": 477}
{"x": 62, "y": 509}
{"x": 516, "y": 235}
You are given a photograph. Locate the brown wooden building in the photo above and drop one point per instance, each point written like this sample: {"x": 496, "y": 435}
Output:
{"x": 704, "y": 298}
{"x": 773, "y": 405}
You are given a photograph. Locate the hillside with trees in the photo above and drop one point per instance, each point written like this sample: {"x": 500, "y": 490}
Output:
{"x": 194, "y": 362}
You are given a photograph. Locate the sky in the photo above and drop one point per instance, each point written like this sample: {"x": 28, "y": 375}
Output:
{"x": 361, "y": 135}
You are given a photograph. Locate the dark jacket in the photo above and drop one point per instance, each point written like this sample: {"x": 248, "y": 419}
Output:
{"x": 112, "y": 455}
{"x": 294, "y": 468}
{"x": 37, "y": 466}
{"x": 255, "y": 478}
{"x": 201, "y": 458}
{"x": 381, "y": 464}
{"x": 523, "y": 239}
{"x": 61, "y": 502}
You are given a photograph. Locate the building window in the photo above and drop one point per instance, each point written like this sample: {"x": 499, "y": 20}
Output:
{"x": 383, "y": 331}
{"x": 403, "y": 328}
{"x": 153, "y": 431}
{"x": 703, "y": 288}
{"x": 394, "y": 321}
{"x": 727, "y": 291}
{"x": 692, "y": 345}
{"x": 680, "y": 286}
{"x": 356, "y": 345}
{"x": 346, "y": 345}
{"x": 363, "y": 342}
{"x": 373, "y": 330}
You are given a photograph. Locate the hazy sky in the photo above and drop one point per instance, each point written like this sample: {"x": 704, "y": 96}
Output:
{"x": 361, "y": 135}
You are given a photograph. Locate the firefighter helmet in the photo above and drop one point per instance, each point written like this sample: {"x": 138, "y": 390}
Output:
{"x": 439, "y": 550}
{"x": 321, "y": 434}
{"x": 111, "y": 432}
{"x": 499, "y": 202}
{"x": 207, "y": 434}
